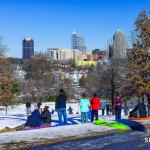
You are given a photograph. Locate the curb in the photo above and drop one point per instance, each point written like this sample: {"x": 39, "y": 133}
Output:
{"x": 23, "y": 144}
{"x": 27, "y": 144}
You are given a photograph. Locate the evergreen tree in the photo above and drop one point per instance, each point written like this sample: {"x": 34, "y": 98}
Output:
{"x": 139, "y": 57}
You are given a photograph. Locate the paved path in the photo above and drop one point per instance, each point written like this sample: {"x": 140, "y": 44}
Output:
{"x": 123, "y": 141}
{"x": 138, "y": 144}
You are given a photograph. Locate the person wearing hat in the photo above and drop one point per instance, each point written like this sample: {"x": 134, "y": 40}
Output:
{"x": 46, "y": 115}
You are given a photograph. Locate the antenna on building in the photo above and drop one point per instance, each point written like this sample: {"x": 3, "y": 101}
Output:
{"x": 74, "y": 31}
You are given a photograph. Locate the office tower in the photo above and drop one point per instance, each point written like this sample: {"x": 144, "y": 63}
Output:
{"x": 28, "y": 48}
{"x": 119, "y": 45}
{"x": 78, "y": 42}
{"x": 110, "y": 53}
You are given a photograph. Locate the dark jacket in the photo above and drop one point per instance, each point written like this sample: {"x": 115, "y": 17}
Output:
{"x": 142, "y": 110}
{"x": 46, "y": 116}
{"x": 134, "y": 112}
{"x": 61, "y": 101}
{"x": 107, "y": 107}
{"x": 28, "y": 104}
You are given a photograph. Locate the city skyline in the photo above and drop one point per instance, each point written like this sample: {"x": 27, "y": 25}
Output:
{"x": 50, "y": 23}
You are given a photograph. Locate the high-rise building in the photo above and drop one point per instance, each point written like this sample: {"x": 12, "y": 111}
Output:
{"x": 110, "y": 53}
{"x": 119, "y": 45}
{"x": 27, "y": 48}
{"x": 78, "y": 42}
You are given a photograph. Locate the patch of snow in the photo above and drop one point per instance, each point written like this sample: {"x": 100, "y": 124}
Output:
{"x": 51, "y": 133}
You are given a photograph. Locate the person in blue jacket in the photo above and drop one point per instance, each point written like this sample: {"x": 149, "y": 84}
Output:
{"x": 84, "y": 108}
{"x": 35, "y": 119}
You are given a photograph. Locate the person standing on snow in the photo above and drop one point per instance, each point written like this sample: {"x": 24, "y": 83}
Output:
{"x": 107, "y": 109}
{"x": 84, "y": 108}
{"x": 95, "y": 106}
{"x": 103, "y": 108}
{"x": 28, "y": 107}
{"x": 118, "y": 107}
{"x": 60, "y": 107}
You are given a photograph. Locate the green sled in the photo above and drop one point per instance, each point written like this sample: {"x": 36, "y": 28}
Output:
{"x": 115, "y": 125}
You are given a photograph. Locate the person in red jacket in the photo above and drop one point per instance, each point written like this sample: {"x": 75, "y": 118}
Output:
{"x": 118, "y": 106}
{"x": 95, "y": 106}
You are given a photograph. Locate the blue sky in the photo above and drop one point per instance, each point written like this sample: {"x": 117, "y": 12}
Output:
{"x": 51, "y": 22}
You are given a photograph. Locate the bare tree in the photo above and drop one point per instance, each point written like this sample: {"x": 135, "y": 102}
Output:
{"x": 3, "y": 47}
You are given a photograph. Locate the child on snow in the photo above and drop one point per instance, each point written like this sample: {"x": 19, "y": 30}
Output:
{"x": 84, "y": 108}
{"x": 70, "y": 110}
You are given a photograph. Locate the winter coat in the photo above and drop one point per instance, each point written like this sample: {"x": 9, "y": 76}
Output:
{"x": 61, "y": 101}
{"x": 134, "y": 112}
{"x": 95, "y": 103}
{"x": 107, "y": 107}
{"x": 84, "y": 105}
{"x": 103, "y": 105}
{"x": 34, "y": 120}
{"x": 142, "y": 110}
{"x": 28, "y": 104}
{"x": 46, "y": 116}
{"x": 118, "y": 103}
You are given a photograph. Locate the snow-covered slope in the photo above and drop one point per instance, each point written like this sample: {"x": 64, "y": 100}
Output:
{"x": 17, "y": 115}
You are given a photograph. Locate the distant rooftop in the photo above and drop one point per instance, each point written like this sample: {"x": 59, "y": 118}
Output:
{"x": 74, "y": 32}
{"x": 119, "y": 31}
{"x": 28, "y": 39}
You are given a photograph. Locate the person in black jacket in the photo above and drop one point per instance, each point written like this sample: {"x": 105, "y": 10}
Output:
{"x": 46, "y": 115}
{"x": 60, "y": 107}
{"x": 139, "y": 110}
{"x": 107, "y": 109}
{"x": 28, "y": 107}
{"x": 142, "y": 108}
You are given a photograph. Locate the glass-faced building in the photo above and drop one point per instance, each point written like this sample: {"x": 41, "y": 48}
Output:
{"x": 78, "y": 42}
{"x": 27, "y": 48}
{"x": 119, "y": 45}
